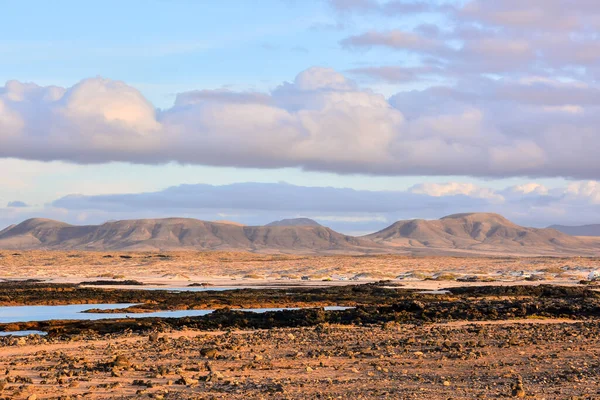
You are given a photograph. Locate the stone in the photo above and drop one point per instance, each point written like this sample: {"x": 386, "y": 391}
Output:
{"x": 518, "y": 390}
{"x": 209, "y": 352}
{"x": 121, "y": 361}
{"x": 186, "y": 380}
{"x": 214, "y": 376}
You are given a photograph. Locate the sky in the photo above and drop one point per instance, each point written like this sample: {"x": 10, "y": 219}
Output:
{"x": 355, "y": 113}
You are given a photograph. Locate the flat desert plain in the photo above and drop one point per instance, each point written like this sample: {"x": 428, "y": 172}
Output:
{"x": 242, "y": 268}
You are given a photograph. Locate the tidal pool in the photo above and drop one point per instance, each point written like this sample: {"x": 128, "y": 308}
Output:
{"x": 75, "y": 312}
{"x": 23, "y": 333}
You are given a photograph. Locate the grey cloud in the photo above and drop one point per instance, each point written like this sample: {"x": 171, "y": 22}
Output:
{"x": 225, "y": 96}
{"x": 17, "y": 204}
{"x": 394, "y": 7}
{"x": 535, "y": 14}
{"x": 354, "y": 5}
{"x": 265, "y": 196}
{"x": 397, "y": 74}
{"x": 396, "y": 39}
{"x": 510, "y": 36}
{"x": 346, "y": 210}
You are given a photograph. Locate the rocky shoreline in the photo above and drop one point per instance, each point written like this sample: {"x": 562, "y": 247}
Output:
{"x": 467, "y": 343}
{"x": 373, "y": 304}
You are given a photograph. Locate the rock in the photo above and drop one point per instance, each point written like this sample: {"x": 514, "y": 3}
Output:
{"x": 276, "y": 388}
{"x": 209, "y": 352}
{"x": 121, "y": 361}
{"x": 309, "y": 369}
{"x": 518, "y": 390}
{"x": 186, "y": 380}
{"x": 214, "y": 376}
{"x": 32, "y": 397}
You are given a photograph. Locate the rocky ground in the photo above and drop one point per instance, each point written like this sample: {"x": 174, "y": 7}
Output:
{"x": 551, "y": 360}
{"x": 514, "y": 338}
{"x": 539, "y": 342}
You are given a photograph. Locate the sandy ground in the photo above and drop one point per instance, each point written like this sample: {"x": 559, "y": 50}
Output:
{"x": 224, "y": 269}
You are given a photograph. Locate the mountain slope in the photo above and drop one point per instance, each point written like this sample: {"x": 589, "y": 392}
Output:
{"x": 294, "y": 222}
{"x": 582, "y": 230}
{"x": 179, "y": 234}
{"x": 480, "y": 233}
{"x": 460, "y": 234}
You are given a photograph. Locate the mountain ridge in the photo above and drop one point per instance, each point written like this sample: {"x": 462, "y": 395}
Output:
{"x": 179, "y": 234}
{"x": 294, "y": 222}
{"x": 578, "y": 230}
{"x": 479, "y": 232}
{"x": 461, "y": 234}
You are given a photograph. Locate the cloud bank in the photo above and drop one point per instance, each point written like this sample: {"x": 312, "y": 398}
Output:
{"x": 17, "y": 204}
{"x": 346, "y": 210}
{"x": 321, "y": 122}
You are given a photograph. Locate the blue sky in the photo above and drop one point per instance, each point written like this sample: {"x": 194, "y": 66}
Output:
{"x": 456, "y": 92}
{"x": 162, "y": 47}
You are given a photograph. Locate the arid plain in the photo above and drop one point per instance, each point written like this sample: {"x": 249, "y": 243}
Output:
{"x": 242, "y": 268}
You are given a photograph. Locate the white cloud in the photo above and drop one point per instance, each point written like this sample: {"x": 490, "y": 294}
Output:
{"x": 320, "y": 122}
{"x": 456, "y": 188}
{"x": 529, "y": 188}
{"x": 588, "y": 191}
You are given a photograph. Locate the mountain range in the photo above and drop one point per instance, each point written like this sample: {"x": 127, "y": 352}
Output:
{"x": 582, "y": 230}
{"x": 180, "y": 234}
{"x": 459, "y": 234}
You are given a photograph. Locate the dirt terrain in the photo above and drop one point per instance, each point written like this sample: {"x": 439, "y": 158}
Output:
{"x": 552, "y": 361}
{"x": 488, "y": 342}
{"x": 504, "y": 327}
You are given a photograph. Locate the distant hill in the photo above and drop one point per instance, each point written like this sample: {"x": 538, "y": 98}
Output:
{"x": 294, "y": 222}
{"x": 582, "y": 230}
{"x": 480, "y": 233}
{"x": 459, "y": 234}
{"x": 180, "y": 234}
{"x": 223, "y": 221}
